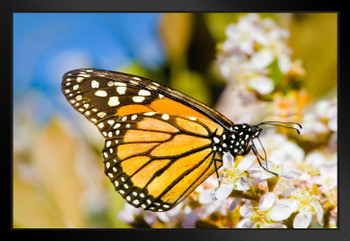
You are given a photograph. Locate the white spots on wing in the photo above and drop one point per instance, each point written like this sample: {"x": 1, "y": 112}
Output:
{"x": 192, "y": 118}
{"x": 138, "y": 99}
{"x": 160, "y": 96}
{"x": 116, "y": 183}
{"x": 116, "y": 126}
{"x": 101, "y": 93}
{"x": 124, "y": 118}
{"x": 127, "y": 125}
{"x": 75, "y": 87}
{"x": 134, "y": 82}
{"x": 108, "y": 143}
{"x": 95, "y": 84}
{"x": 136, "y": 78}
{"x": 119, "y": 84}
{"x": 78, "y": 97}
{"x": 110, "y": 175}
{"x": 93, "y": 120}
{"x": 121, "y": 90}
{"x": 149, "y": 113}
{"x": 216, "y": 140}
{"x": 113, "y": 101}
{"x": 80, "y": 79}
{"x": 108, "y": 165}
{"x": 101, "y": 114}
{"x": 136, "y": 202}
{"x": 110, "y": 122}
{"x": 101, "y": 125}
{"x": 133, "y": 117}
{"x": 144, "y": 93}
{"x": 165, "y": 117}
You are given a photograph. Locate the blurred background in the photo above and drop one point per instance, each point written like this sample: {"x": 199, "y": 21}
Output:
{"x": 276, "y": 66}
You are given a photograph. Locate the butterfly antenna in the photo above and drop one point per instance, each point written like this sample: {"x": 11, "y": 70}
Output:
{"x": 283, "y": 124}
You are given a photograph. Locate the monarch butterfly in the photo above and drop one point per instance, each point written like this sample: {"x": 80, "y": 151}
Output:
{"x": 160, "y": 144}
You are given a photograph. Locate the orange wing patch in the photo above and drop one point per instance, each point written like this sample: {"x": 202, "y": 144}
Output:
{"x": 144, "y": 136}
{"x": 180, "y": 144}
{"x": 166, "y": 105}
{"x": 176, "y": 173}
{"x": 127, "y": 150}
{"x": 142, "y": 176}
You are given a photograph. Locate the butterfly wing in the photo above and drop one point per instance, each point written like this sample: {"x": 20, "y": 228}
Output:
{"x": 158, "y": 141}
{"x": 155, "y": 160}
{"x": 99, "y": 94}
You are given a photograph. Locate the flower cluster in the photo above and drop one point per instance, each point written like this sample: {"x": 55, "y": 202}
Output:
{"x": 304, "y": 194}
{"x": 255, "y": 54}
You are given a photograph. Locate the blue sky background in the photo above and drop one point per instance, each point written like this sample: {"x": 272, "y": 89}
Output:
{"x": 46, "y": 45}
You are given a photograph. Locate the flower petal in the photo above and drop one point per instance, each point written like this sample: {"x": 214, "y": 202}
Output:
{"x": 246, "y": 163}
{"x": 243, "y": 184}
{"x": 261, "y": 59}
{"x": 267, "y": 201}
{"x": 228, "y": 160}
{"x": 223, "y": 191}
{"x": 245, "y": 223}
{"x": 284, "y": 63}
{"x": 319, "y": 211}
{"x": 302, "y": 219}
{"x": 282, "y": 209}
{"x": 262, "y": 84}
{"x": 291, "y": 174}
{"x": 206, "y": 196}
{"x": 246, "y": 210}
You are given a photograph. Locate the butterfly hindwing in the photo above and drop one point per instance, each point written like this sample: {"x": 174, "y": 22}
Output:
{"x": 155, "y": 160}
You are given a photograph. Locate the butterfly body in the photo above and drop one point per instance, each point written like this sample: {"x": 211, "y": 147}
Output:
{"x": 160, "y": 144}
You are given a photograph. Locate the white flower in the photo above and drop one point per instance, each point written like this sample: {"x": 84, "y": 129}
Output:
{"x": 267, "y": 214}
{"x": 328, "y": 176}
{"x": 251, "y": 46}
{"x": 234, "y": 177}
{"x": 307, "y": 204}
{"x": 262, "y": 84}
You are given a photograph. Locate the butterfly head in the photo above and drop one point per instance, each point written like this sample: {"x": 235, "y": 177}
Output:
{"x": 240, "y": 136}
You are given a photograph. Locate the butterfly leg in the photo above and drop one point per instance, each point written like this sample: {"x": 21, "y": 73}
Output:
{"x": 258, "y": 158}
